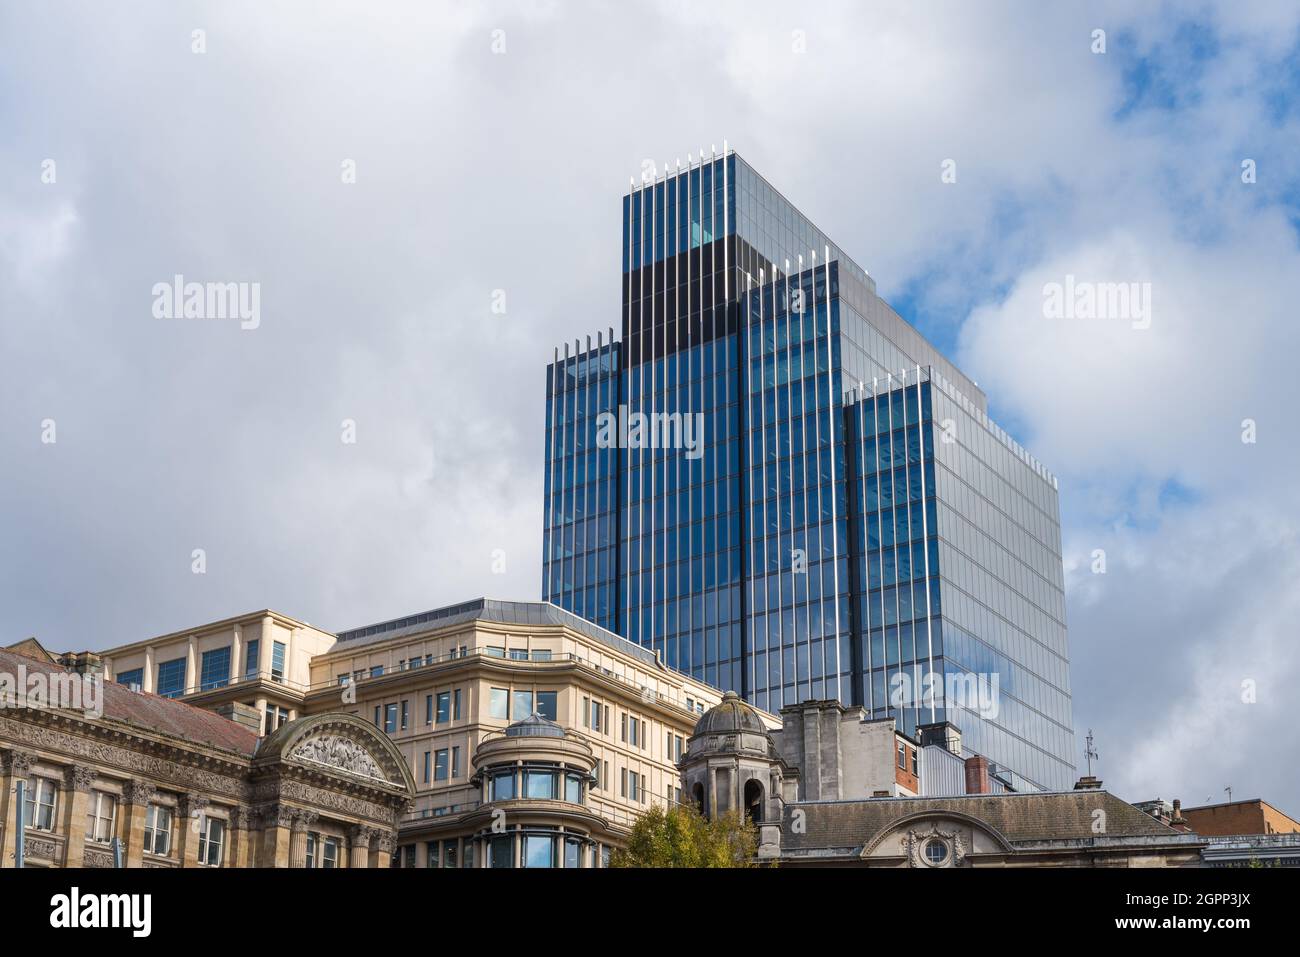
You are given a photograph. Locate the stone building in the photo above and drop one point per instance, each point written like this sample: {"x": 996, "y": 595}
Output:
{"x": 826, "y": 790}
{"x": 521, "y": 710}
{"x": 589, "y": 726}
{"x": 178, "y": 786}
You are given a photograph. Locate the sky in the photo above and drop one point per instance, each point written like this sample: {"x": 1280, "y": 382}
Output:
{"x": 392, "y": 175}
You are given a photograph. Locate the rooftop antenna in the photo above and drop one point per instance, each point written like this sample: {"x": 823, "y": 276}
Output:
{"x": 1090, "y": 752}
{"x": 1229, "y": 790}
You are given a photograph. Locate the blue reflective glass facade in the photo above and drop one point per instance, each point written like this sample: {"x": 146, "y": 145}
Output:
{"x": 780, "y": 486}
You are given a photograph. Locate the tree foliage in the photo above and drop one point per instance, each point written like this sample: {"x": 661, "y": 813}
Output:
{"x": 683, "y": 837}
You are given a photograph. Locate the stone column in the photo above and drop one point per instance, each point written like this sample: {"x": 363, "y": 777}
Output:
{"x": 385, "y": 846}
{"x": 302, "y": 823}
{"x": 264, "y": 649}
{"x": 251, "y": 821}
{"x": 359, "y": 849}
{"x": 191, "y": 666}
{"x": 237, "y": 655}
{"x": 17, "y": 766}
{"x": 136, "y": 795}
{"x": 191, "y": 808}
{"x": 238, "y": 838}
{"x": 77, "y": 780}
{"x": 277, "y": 823}
{"x": 148, "y": 684}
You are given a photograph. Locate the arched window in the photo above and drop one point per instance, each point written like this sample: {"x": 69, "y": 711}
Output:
{"x": 754, "y": 801}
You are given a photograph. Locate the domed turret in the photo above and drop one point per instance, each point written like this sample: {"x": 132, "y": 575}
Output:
{"x": 730, "y": 716}
{"x": 732, "y": 764}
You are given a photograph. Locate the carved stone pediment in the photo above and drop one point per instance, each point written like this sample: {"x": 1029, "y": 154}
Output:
{"x": 918, "y": 837}
{"x": 338, "y": 753}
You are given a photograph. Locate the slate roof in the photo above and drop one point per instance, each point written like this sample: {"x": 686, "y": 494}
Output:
{"x": 151, "y": 712}
{"x": 1020, "y": 818}
{"x": 491, "y": 610}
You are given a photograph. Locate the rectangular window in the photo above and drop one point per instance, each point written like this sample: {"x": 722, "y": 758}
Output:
{"x": 595, "y": 716}
{"x": 494, "y": 651}
{"x": 378, "y": 717}
{"x": 277, "y": 661}
{"x": 440, "y": 765}
{"x": 518, "y": 654}
{"x": 102, "y": 813}
{"x": 501, "y": 851}
{"x": 39, "y": 803}
{"x": 426, "y": 767}
{"x": 171, "y": 678}
{"x": 431, "y": 861}
{"x": 623, "y": 726}
{"x": 455, "y": 761}
{"x": 214, "y": 672}
{"x": 376, "y": 671}
{"x": 158, "y": 830}
{"x": 499, "y": 703}
{"x": 678, "y": 742}
{"x": 541, "y": 654}
{"x": 251, "y": 663}
{"x": 455, "y": 705}
{"x": 428, "y": 709}
{"x": 546, "y": 704}
{"x": 390, "y": 718}
{"x": 448, "y": 853}
{"x": 330, "y": 853}
{"x": 521, "y": 705}
{"x": 902, "y": 756}
{"x": 444, "y": 707}
{"x": 212, "y": 837}
{"x": 503, "y": 786}
{"x": 539, "y": 785}
{"x": 312, "y": 841}
{"x": 405, "y": 714}
{"x": 132, "y": 679}
{"x": 539, "y": 850}
{"x": 586, "y": 712}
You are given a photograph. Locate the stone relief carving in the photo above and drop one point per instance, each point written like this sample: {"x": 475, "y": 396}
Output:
{"x": 307, "y": 794}
{"x": 303, "y": 819}
{"x": 139, "y": 792}
{"x": 79, "y": 777}
{"x": 340, "y": 753}
{"x": 37, "y": 847}
{"x": 117, "y": 757}
{"x": 917, "y": 838}
{"x": 192, "y": 804}
{"x": 18, "y": 763}
{"x": 96, "y": 858}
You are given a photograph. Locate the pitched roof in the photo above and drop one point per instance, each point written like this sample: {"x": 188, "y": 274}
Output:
{"x": 151, "y": 712}
{"x": 1020, "y": 818}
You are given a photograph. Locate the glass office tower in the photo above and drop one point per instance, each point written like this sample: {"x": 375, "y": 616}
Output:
{"x": 844, "y": 522}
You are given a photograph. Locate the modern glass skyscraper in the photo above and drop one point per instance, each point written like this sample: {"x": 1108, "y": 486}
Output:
{"x": 776, "y": 483}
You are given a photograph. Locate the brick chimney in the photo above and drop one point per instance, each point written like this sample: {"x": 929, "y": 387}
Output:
{"x": 977, "y": 775}
{"x": 1176, "y": 820}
